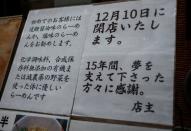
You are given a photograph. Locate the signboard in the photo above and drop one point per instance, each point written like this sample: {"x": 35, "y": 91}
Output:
{"x": 127, "y": 68}
{"x": 119, "y": 57}
{"x": 44, "y": 72}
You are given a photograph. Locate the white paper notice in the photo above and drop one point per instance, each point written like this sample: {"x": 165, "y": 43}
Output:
{"x": 20, "y": 121}
{"x": 95, "y": 126}
{"x": 44, "y": 72}
{"x": 127, "y": 69}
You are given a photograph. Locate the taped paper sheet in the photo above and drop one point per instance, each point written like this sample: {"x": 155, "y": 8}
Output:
{"x": 95, "y": 126}
{"x": 127, "y": 69}
{"x": 44, "y": 72}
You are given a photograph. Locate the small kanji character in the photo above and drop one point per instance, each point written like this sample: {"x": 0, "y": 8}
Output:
{"x": 137, "y": 107}
{"x": 87, "y": 87}
{"x": 60, "y": 78}
{"x": 136, "y": 64}
{"x": 112, "y": 27}
{"x": 120, "y": 89}
{"x": 99, "y": 28}
{"x": 55, "y": 68}
{"x": 89, "y": 76}
{"x": 133, "y": 89}
{"x": 149, "y": 107}
{"x": 122, "y": 75}
{"x": 144, "y": 12}
{"x": 113, "y": 65}
{"x": 102, "y": 64}
{"x": 115, "y": 15}
{"x": 4, "y": 121}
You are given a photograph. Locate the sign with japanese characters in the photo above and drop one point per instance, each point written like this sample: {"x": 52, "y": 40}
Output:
{"x": 76, "y": 125}
{"x": 20, "y": 121}
{"x": 119, "y": 57}
{"x": 44, "y": 72}
{"x": 127, "y": 68}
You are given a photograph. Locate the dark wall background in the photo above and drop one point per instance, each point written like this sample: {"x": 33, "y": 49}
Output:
{"x": 21, "y": 7}
{"x": 183, "y": 65}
